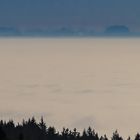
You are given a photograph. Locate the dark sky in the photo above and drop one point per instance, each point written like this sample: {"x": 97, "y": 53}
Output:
{"x": 97, "y": 14}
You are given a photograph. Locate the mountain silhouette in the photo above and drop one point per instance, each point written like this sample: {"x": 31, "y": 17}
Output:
{"x": 117, "y": 29}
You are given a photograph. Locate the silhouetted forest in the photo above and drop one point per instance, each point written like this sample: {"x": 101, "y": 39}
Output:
{"x": 31, "y": 130}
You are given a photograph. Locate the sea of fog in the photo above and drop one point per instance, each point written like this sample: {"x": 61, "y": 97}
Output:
{"x": 72, "y": 82}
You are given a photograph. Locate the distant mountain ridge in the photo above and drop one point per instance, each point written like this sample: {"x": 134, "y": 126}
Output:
{"x": 117, "y": 29}
{"x": 114, "y": 30}
{"x": 6, "y": 31}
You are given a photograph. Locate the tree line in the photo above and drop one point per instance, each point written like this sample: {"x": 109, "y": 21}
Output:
{"x": 31, "y": 130}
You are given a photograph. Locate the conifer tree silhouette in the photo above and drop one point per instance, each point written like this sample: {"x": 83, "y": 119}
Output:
{"x": 137, "y": 137}
{"x": 31, "y": 130}
{"x": 21, "y": 137}
{"x": 2, "y": 134}
{"x": 116, "y": 136}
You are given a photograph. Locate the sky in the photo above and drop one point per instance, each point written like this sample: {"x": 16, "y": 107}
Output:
{"x": 96, "y": 14}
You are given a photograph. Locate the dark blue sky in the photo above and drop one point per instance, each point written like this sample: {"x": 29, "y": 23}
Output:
{"x": 96, "y": 14}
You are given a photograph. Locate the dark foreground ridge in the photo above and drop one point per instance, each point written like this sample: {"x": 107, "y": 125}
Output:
{"x": 31, "y": 130}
